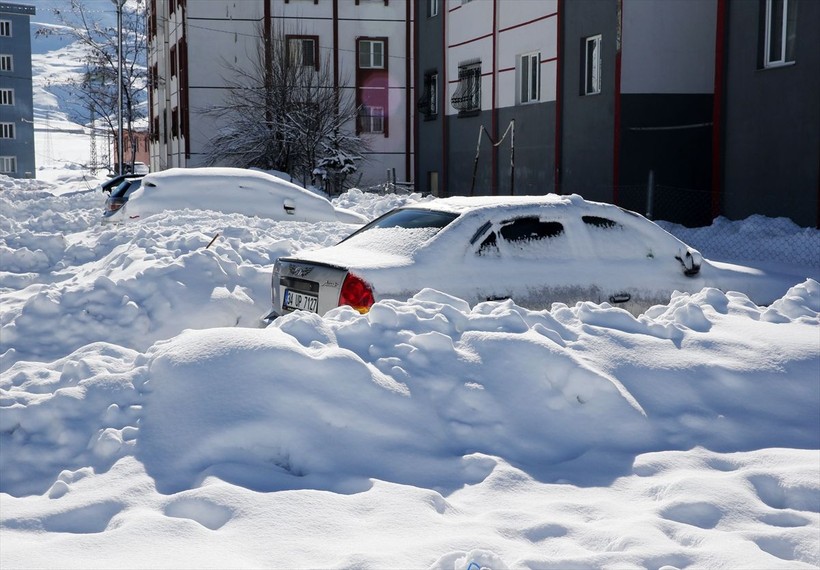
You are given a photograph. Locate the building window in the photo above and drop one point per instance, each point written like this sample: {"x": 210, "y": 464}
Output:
{"x": 175, "y": 122}
{"x": 432, "y": 182}
{"x": 303, "y": 50}
{"x": 6, "y": 63}
{"x": 6, "y": 96}
{"x": 432, "y": 8}
{"x": 428, "y": 103}
{"x": 5, "y": 28}
{"x": 8, "y": 164}
{"x": 371, "y": 119}
{"x": 467, "y": 98}
{"x": 6, "y": 130}
{"x": 779, "y": 22}
{"x": 173, "y": 58}
{"x": 592, "y": 66}
{"x": 371, "y": 54}
{"x": 372, "y": 85}
{"x": 529, "y": 78}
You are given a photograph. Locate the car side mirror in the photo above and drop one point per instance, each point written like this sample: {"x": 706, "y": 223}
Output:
{"x": 290, "y": 206}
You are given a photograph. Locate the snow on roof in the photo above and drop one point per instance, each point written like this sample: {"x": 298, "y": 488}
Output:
{"x": 238, "y": 190}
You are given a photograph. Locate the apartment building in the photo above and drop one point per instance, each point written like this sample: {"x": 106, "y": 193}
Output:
{"x": 714, "y": 102}
{"x": 576, "y": 86}
{"x": 16, "y": 107}
{"x": 193, "y": 45}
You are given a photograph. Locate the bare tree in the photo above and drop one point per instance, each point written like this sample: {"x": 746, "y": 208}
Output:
{"x": 96, "y": 89}
{"x": 286, "y": 114}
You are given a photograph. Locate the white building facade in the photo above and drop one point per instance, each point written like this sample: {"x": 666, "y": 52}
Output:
{"x": 194, "y": 44}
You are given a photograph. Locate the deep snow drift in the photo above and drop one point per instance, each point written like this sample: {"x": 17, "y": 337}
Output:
{"x": 145, "y": 420}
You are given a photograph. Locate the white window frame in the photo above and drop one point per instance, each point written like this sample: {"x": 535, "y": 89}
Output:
{"x": 8, "y": 164}
{"x": 779, "y": 44}
{"x": 369, "y": 57}
{"x": 7, "y": 131}
{"x": 432, "y": 8}
{"x": 592, "y": 65}
{"x": 296, "y": 51}
{"x": 5, "y": 28}
{"x": 6, "y": 96}
{"x": 6, "y": 62}
{"x": 529, "y": 78}
{"x": 372, "y": 120}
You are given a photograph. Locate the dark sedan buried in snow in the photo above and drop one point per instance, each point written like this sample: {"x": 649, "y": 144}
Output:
{"x": 536, "y": 250}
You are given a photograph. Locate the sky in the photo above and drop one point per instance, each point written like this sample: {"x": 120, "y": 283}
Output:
{"x": 148, "y": 420}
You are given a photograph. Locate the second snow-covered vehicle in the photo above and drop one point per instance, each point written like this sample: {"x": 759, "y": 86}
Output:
{"x": 536, "y": 250}
{"x": 228, "y": 190}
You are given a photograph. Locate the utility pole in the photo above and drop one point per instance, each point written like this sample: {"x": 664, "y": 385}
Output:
{"x": 119, "y": 4}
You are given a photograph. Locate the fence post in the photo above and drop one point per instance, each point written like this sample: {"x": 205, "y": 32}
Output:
{"x": 650, "y": 193}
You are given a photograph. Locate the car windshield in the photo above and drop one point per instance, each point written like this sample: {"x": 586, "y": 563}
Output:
{"x": 411, "y": 219}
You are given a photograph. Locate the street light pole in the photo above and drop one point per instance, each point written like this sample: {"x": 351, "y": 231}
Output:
{"x": 119, "y": 4}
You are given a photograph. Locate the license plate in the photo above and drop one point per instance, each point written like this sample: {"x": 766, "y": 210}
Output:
{"x": 296, "y": 301}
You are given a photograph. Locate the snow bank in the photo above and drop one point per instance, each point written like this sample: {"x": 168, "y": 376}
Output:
{"x": 145, "y": 420}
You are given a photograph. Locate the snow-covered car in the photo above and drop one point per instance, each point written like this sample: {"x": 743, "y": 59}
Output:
{"x": 140, "y": 168}
{"x": 118, "y": 195}
{"x": 229, "y": 190}
{"x": 536, "y": 250}
{"x": 114, "y": 181}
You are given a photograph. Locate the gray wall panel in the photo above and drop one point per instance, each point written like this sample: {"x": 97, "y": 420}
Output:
{"x": 587, "y": 138}
{"x": 772, "y": 121}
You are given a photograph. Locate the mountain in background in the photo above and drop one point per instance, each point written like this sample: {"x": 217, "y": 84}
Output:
{"x": 62, "y": 135}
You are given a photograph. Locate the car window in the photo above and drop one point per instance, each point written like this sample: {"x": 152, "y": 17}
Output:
{"x": 121, "y": 189}
{"x": 599, "y": 222}
{"x": 521, "y": 236}
{"x": 613, "y": 240}
{"x": 409, "y": 218}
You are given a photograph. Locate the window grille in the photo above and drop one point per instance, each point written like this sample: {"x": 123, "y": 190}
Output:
{"x": 428, "y": 103}
{"x": 467, "y": 98}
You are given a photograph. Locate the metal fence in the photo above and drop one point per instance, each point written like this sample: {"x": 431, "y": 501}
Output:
{"x": 686, "y": 213}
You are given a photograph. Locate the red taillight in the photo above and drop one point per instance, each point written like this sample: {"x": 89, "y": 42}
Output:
{"x": 356, "y": 293}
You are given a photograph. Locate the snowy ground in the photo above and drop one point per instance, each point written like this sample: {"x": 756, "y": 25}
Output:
{"x": 145, "y": 420}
